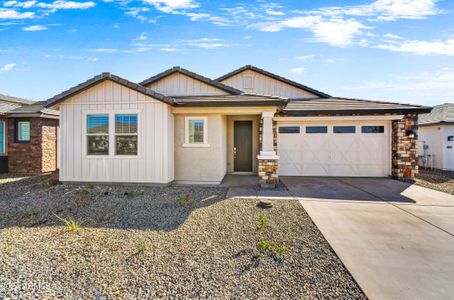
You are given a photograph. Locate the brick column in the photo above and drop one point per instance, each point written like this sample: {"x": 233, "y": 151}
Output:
{"x": 268, "y": 161}
{"x": 404, "y": 147}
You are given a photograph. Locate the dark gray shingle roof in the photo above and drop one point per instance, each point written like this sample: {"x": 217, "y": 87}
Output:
{"x": 443, "y": 113}
{"x": 277, "y": 77}
{"x": 338, "y": 105}
{"x": 35, "y": 108}
{"x": 108, "y": 76}
{"x": 231, "y": 100}
{"x": 193, "y": 75}
{"x": 8, "y": 103}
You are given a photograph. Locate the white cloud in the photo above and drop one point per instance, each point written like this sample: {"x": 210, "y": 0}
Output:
{"x": 274, "y": 12}
{"x": 142, "y": 37}
{"x": 59, "y": 4}
{"x": 172, "y": 6}
{"x": 421, "y": 47}
{"x": 169, "y": 49}
{"x": 35, "y": 28}
{"x": 7, "y": 67}
{"x": 12, "y": 14}
{"x": 298, "y": 70}
{"x": 334, "y": 31}
{"x": 105, "y": 50}
{"x": 393, "y": 36}
{"x": 305, "y": 57}
{"x": 207, "y": 43}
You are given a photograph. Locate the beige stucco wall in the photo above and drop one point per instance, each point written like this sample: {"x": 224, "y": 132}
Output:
{"x": 255, "y": 139}
{"x": 201, "y": 164}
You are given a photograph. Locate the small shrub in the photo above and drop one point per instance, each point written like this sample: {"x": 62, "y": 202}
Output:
{"x": 271, "y": 246}
{"x": 71, "y": 225}
{"x": 50, "y": 183}
{"x": 263, "y": 244}
{"x": 184, "y": 199}
{"x": 141, "y": 247}
{"x": 25, "y": 214}
{"x": 82, "y": 193}
{"x": 263, "y": 223}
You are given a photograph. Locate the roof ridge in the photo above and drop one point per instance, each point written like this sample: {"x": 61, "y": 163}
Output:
{"x": 275, "y": 76}
{"x": 16, "y": 100}
{"x": 193, "y": 75}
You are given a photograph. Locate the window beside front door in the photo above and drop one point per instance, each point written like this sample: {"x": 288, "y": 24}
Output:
{"x": 126, "y": 134}
{"x": 23, "y": 131}
{"x": 2, "y": 137}
{"x": 196, "y": 132}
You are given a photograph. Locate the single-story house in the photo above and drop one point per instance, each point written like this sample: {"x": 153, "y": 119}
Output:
{"x": 436, "y": 137}
{"x": 179, "y": 126}
{"x": 28, "y": 136}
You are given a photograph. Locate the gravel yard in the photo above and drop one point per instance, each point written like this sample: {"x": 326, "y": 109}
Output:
{"x": 156, "y": 242}
{"x": 439, "y": 180}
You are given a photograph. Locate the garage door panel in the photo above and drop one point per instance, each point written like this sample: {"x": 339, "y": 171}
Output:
{"x": 335, "y": 154}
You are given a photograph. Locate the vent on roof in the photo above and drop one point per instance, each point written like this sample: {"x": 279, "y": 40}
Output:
{"x": 248, "y": 82}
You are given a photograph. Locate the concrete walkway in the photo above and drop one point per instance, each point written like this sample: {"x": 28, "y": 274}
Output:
{"x": 396, "y": 239}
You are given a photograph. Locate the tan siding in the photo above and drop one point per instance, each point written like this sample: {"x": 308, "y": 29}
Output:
{"x": 179, "y": 84}
{"x": 155, "y": 159}
{"x": 265, "y": 85}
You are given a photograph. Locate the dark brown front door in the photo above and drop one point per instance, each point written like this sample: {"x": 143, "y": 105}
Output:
{"x": 242, "y": 143}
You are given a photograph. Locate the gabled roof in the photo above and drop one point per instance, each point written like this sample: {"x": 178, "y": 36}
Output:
{"x": 36, "y": 108}
{"x": 274, "y": 76}
{"x": 338, "y": 105}
{"x": 192, "y": 75}
{"x": 440, "y": 114}
{"x": 107, "y": 76}
{"x": 8, "y": 103}
{"x": 231, "y": 100}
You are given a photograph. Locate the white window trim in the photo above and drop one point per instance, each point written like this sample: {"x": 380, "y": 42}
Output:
{"x": 3, "y": 151}
{"x": 205, "y": 132}
{"x": 111, "y": 114}
{"x": 96, "y": 134}
{"x": 19, "y": 131}
{"x": 124, "y": 134}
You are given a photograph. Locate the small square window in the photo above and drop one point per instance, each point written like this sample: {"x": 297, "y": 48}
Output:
{"x": 196, "y": 131}
{"x": 316, "y": 129}
{"x": 344, "y": 129}
{"x": 372, "y": 129}
{"x": 23, "y": 131}
{"x": 289, "y": 129}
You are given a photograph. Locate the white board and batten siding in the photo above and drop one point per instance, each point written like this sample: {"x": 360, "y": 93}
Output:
{"x": 179, "y": 84}
{"x": 154, "y": 162}
{"x": 252, "y": 82}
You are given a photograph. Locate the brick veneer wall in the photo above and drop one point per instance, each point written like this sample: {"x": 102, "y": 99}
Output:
{"x": 405, "y": 147}
{"x": 40, "y": 154}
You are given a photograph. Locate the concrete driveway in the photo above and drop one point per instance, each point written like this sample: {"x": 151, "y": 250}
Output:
{"x": 396, "y": 239}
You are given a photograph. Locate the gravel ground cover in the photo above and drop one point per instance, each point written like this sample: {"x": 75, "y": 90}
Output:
{"x": 160, "y": 242}
{"x": 439, "y": 180}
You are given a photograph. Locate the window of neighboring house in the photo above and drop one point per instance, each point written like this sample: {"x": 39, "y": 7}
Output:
{"x": 23, "y": 131}
{"x": 2, "y": 137}
{"x": 126, "y": 134}
{"x": 316, "y": 129}
{"x": 344, "y": 129}
{"x": 98, "y": 134}
{"x": 196, "y": 132}
{"x": 372, "y": 129}
{"x": 289, "y": 129}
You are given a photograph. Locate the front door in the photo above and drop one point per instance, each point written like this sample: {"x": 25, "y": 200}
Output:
{"x": 242, "y": 151}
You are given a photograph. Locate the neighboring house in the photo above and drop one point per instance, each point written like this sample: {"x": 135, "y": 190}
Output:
{"x": 436, "y": 137}
{"x": 183, "y": 127}
{"x": 28, "y": 136}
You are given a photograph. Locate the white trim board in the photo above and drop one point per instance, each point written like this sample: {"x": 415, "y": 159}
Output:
{"x": 340, "y": 118}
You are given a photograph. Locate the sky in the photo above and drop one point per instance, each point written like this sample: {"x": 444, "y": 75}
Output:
{"x": 390, "y": 50}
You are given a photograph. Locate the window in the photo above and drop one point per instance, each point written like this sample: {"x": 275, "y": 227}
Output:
{"x": 98, "y": 134}
{"x": 23, "y": 131}
{"x": 2, "y": 136}
{"x": 289, "y": 129}
{"x": 344, "y": 129}
{"x": 372, "y": 129}
{"x": 196, "y": 132}
{"x": 126, "y": 134}
{"x": 316, "y": 129}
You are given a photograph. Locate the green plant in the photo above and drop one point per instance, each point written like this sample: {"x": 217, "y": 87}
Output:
{"x": 141, "y": 247}
{"x": 50, "y": 183}
{"x": 274, "y": 247}
{"x": 263, "y": 223}
{"x": 82, "y": 193}
{"x": 72, "y": 225}
{"x": 263, "y": 244}
{"x": 183, "y": 199}
{"x": 27, "y": 213}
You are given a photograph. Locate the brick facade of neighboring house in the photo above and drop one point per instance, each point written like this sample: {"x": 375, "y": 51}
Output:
{"x": 39, "y": 155}
{"x": 405, "y": 147}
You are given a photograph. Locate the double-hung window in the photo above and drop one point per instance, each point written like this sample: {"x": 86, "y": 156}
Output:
{"x": 98, "y": 134}
{"x": 126, "y": 134}
{"x": 2, "y": 137}
{"x": 196, "y": 132}
{"x": 23, "y": 131}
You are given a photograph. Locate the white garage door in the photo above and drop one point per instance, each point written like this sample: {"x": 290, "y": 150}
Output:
{"x": 335, "y": 149}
